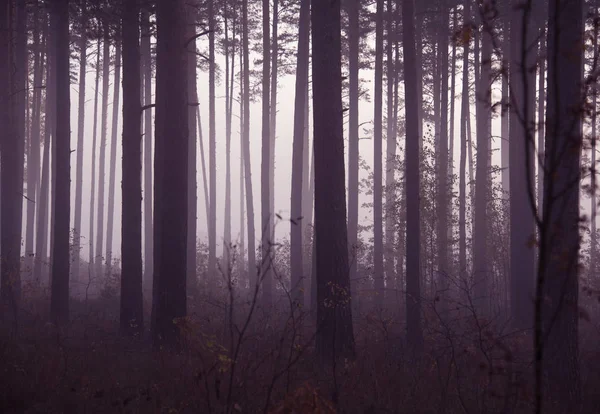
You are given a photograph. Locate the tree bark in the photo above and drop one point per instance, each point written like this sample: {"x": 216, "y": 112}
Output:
{"x": 212, "y": 162}
{"x": 335, "y": 337}
{"x": 462, "y": 220}
{"x": 192, "y": 91}
{"x": 377, "y": 156}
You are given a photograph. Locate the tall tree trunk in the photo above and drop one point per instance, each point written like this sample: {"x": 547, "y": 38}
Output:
{"x": 227, "y": 246}
{"x": 212, "y": 161}
{"x": 10, "y": 233}
{"x": 148, "y": 136}
{"x": 192, "y": 90}
{"x": 59, "y": 300}
{"x": 113, "y": 160}
{"x": 505, "y": 118}
{"x": 103, "y": 136}
{"x": 556, "y": 305}
{"x": 451, "y": 137}
{"x": 541, "y": 108}
{"x": 41, "y": 238}
{"x": 265, "y": 189}
{"x": 92, "y": 268}
{"x": 390, "y": 161}
{"x": 377, "y": 155}
{"x": 462, "y": 221}
{"x": 246, "y": 149}
{"x": 522, "y": 182}
{"x": 242, "y": 256}
{"x": 171, "y": 172}
{"x": 413, "y": 215}
{"x": 482, "y": 188}
{"x": 80, "y": 143}
{"x": 132, "y": 309}
{"x": 33, "y": 159}
{"x": 335, "y": 336}
{"x": 296, "y": 235}
{"x": 273, "y": 112}
{"x": 442, "y": 160}
{"x": 353, "y": 148}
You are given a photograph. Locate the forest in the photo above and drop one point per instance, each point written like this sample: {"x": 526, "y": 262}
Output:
{"x": 296, "y": 206}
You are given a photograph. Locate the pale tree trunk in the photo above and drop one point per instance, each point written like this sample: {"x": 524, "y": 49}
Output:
{"x": 80, "y": 143}
{"x": 296, "y": 235}
{"x": 252, "y": 270}
{"x": 273, "y": 113}
{"x": 59, "y": 299}
{"x": 335, "y": 335}
{"x": 265, "y": 189}
{"x": 102, "y": 160}
{"x": 113, "y": 161}
{"x": 413, "y": 215}
{"x": 242, "y": 254}
{"x": 146, "y": 59}
{"x": 229, "y": 69}
{"x": 377, "y": 155}
{"x": 505, "y": 119}
{"x": 132, "y": 309}
{"x": 92, "y": 268}
{"x": 212, "y": 216}
{"x": 204, "y": 173}
{"x": 33, "y": 159}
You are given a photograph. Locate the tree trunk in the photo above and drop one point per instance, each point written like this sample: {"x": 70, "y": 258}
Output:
{"x": 521, "y": 150}
{"x": 113, "y": 161}
{"x": 132, "y": 309}
{"x": 296, "y": 235}
{"x": 227, "y": 246}
{"x": 377, "y": 155}
{"x": 556, "y": 305}
{"x": 462, "y": 221}
{"x": 273, "y": 114}
{"x": 353, "y": 137}
{"x": 192, "y": 91}
{"x": 59, "y": 300}
{"x": 148, "y": 219}
{"x": 265, "y": 189}
{"x": 80, "y": 143}
{"x": 246, "y": 144}
{"x": 413, "y": 215}
{"x": 212, "y": 161}
{"x": 102, "y": 161}
{"x": 171, "y": 172}
{"x": 335, "y": 337}
{"x": 92, "y": 269}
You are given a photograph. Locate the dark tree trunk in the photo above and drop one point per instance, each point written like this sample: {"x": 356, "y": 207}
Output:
{"x": 413, "y": 215}
{"x": 80, "y": 143}
{"x": 556, "y": 305}
{"x": 377, "y": 154}
{"x": 335, "y": 337}
{"x": 462, "y": 220}
{"x": 521, "y": 151}
{"x": 59, "y": 300}
{"x": 171, "y": 172}
{"x": 192, "y": 181}
{"x": 265, "y": 189}
{"x": 353, "y": 148}
{"x": 296, "y": 235}
{"x": 132, "y": 310}
{"x": 227, "y": 246}
{"x": 113, "y": 161}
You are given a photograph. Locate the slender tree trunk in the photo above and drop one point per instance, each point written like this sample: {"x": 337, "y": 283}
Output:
{"x": 462, "y": 221}
{"x": 227, "y": 246}
{"x": 59, "y": 300}
{"x": 203, "y": 163}
{"x": 132, "y": 309}
{"x": 33, "y": 159}
{"x": 92, "y": 268}
{"x": 335, "y": 336}
{"x": 442, "y": 165}
{"x": 273, "y": 112}
{"x": 80, "y": 143}
{"x": 413, "y": 243}
{"x": 192, "y": 141}
{"x": 451, "y": 138}
{"x": 113, "y": 161}
{"x": 296, "y": 235}
{"x": 212, "y": 154}
{"x": 171, "y": 172}
{"x": 148, "y": 136}
{"x": 242, "y": 257}
{"x": 265, "y": 189}
{"x": 353, "y": 148}
{"x": 102, "y": 160}
{"x": 252, "y": 270}
{"x": 377, "y": 154}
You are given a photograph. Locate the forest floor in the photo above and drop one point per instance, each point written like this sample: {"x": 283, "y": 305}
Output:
{"x": 466, "y": 366}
